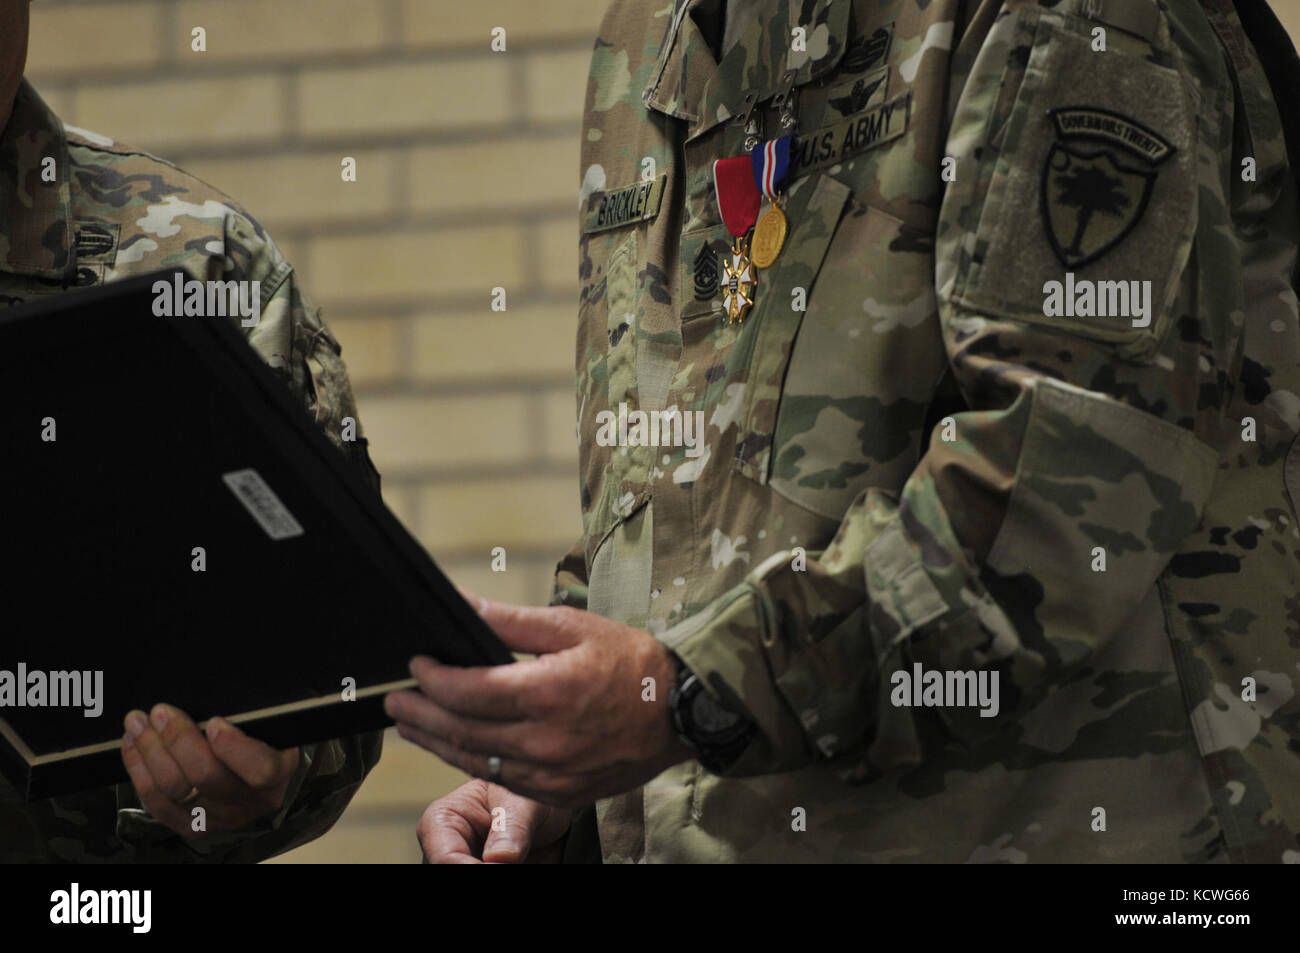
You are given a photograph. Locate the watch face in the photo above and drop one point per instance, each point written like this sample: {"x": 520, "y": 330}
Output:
{"x": 709, "y": 717}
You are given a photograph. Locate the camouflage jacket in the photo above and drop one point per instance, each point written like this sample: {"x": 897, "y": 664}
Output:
{"x": 1099, "y": 510}
{"x": 111, "y": 212}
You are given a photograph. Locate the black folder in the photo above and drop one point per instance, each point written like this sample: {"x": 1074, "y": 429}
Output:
{"x": 171, "y": 434}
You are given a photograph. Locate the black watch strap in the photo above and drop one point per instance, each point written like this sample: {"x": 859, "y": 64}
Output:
{"x": 718, "y": 734}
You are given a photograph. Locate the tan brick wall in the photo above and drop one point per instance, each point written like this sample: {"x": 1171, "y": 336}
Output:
{"x": 467, "y": 169}
{"x": 467, "y": 175}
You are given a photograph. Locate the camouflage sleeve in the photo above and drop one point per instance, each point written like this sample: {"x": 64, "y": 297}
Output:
{"x": 1082, "y": 442}
{"x": 293, "y": 339}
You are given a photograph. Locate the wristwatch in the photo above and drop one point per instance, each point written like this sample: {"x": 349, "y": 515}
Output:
{"x": 718, "y": 735}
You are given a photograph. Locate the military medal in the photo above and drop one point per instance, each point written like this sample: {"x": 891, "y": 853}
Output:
{"x": 771, "y": 162}
{"x": 738, "y": 201}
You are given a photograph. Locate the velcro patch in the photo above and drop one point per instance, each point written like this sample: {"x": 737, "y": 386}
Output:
{"x": 1139, "y": 17}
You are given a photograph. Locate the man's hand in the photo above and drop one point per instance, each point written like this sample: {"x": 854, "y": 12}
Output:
{"x": 238, "y": 779}
{"x": 576, "y": 724}
{"x": 483, "y": 823}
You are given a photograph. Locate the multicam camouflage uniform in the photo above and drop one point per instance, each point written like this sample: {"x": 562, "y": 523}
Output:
{"x": 1072, "y": 438}
{"x": 112, "y": 212}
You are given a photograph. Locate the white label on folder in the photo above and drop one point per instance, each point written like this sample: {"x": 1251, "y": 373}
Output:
{"x": 262, "y": 504}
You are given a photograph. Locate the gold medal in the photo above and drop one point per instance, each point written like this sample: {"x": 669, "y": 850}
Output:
{"x": 738, "y": 283}
{"x": 769, "y": 236}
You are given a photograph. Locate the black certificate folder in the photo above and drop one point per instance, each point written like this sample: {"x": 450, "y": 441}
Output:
{"x": 176, "y": 527}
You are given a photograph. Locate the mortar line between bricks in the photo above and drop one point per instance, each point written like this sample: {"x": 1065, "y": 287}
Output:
{"x": 429, "y": 303}
{"x": 517, "y": 84}
{"x": 400, "y": 187}
{"x": 434, "y": 135}
{"x": 426, "y": 307}
{"x": 487, "y": 473}
{"x": 429, "y": 306}
{"x": 406, "y": 358}
{"x": 535, "y": 423}
{"x": 451, "y": 221}
{"x": 205, "y": 66}
{"x": 476, "y": 386}
{"x": 393, "y": 26}
{"x": 290, "y": 103}
{"x": 166, "y": 25}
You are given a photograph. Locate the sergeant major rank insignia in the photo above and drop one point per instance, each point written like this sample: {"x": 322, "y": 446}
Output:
{"x": 1097, "y": 181}
{"x": 706, "y": 273}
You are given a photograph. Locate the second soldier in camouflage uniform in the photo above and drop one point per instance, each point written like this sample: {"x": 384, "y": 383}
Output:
{"x": 111, "y": 212}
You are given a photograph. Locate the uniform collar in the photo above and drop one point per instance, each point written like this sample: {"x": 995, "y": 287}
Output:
{"x": 34, "y": 214}
{"x": 688, "y": 83}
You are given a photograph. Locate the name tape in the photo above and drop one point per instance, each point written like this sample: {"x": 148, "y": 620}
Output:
{"x": 831, "y": 145}
{"x": 625, "y": 206}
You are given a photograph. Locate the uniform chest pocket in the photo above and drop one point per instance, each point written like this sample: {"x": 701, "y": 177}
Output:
{"x": 864, "y": 367}
{"x": 762, "y": 352}
{"x": 1091, "y": 201}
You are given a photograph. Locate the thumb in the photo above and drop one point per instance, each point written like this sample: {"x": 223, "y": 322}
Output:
{"x": 510, "y": 833}
{"x": 536, "y": 630}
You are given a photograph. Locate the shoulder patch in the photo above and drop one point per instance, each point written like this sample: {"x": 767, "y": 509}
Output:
{"x": 1097, "y": 181}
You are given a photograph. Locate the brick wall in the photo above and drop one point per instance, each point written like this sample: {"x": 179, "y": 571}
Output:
{"x": 467, "y": 172}
{"x": 467, "y": 175}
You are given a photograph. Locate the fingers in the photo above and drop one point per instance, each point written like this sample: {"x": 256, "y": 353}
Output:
{"x": 237, "y": 778}
{"x": 506, "y": 826}
{"x": 510, "y": 833}
{"x": 473, "y": 764}
{"x": 191, "y": 751}
{"x": 533, "y": 781}
{"x": 538, "y": 630}
{"x": 151, "y": 797}
{"x": 167, "y": 777}
{"x": 498, "y": 692}
{"x": 258, "y": 765}
{"x": 452, "y": 827}
{"x": 503, "y": 738}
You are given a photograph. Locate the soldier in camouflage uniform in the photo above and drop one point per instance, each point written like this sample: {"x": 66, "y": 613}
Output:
{"x": 1100, "y": 510}
{"x": 112, "y": 212}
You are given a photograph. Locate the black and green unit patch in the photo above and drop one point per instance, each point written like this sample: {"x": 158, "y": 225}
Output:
{"x": 1097, "y": 181}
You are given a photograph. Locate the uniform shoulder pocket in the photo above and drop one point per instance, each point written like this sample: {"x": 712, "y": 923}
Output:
{"x": 1087, "y": 220}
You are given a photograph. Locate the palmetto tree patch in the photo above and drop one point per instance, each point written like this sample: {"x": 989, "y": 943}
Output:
{"x": 1097, "y": 181}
